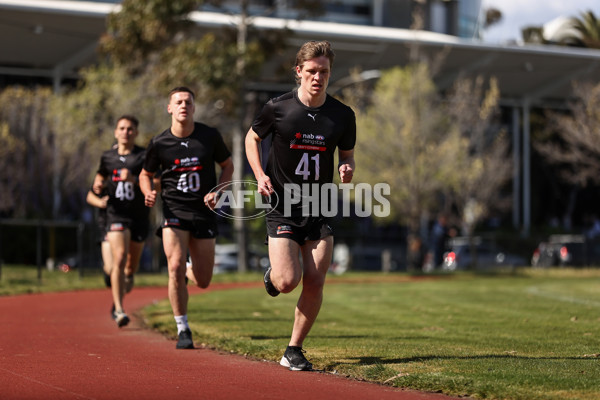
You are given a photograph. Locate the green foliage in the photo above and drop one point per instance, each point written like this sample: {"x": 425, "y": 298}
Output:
{"x": 149, "y": 49}
{"x": 144, "y": 27}
{"x": 572, "y": 140}
{"x": 588, "y": 27}
{"x": 147, "y": 54}
{"x": 482, "y": 166}
{"x": 400, "y": 134}
{"x": 83, "y": 120}
{"x": 27, "y": 159}
{"x": 21, "y": 279}
{"x": 429, "y": 147}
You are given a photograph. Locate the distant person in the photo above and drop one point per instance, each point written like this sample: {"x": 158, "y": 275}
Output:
{"x": 417, "y": 253}
{"x": 439, "y": 240}
{"x": 127, "y": 219}
{"x": 186, "y": 153}
{"x": 594, "y": 231}
{"x": 306, "y": 126}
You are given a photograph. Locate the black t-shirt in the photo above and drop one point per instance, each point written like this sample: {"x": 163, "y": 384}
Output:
{"x": 188, "y": 169}
{"x": 125, "y": 199}
{"x": 304, "y": 140}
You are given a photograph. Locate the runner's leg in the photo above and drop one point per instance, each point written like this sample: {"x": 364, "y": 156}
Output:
{"x": 286, "y": 270}
{"x": 106, "y": 257}
{"x": 175, "y": 243}
{"x": 202, "y": 253}
{"x": 316, "y": 256}
{"x": 119, "y": 244}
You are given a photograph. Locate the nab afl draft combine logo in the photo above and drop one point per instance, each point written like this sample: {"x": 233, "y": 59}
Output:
{"x": 236, "y": 195}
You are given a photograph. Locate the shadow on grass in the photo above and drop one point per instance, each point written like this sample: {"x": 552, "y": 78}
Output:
{"x": 379, "y": 360}
{"x": 268, "y": 337}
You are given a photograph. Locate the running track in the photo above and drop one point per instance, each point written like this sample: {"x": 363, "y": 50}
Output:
{"x": 65, "y": 346}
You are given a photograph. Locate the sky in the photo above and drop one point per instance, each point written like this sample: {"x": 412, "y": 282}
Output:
{"x": 517, "y": 14}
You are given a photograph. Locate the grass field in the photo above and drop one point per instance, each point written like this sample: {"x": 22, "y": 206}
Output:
{"x": 21, "y": 279}
{"x": 527, "y": 335}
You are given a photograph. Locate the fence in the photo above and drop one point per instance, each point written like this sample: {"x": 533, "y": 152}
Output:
{"x": 25, "y": 246}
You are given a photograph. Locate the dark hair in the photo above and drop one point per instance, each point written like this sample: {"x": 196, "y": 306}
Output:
{"x": 313, "y": 49}
{"x": 179, "y": 89}
{"x": 129, "y": 118}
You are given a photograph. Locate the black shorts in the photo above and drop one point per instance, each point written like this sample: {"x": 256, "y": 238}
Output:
{"x": 299, "y": 229}
{"x": 139, "y": 227}
{"x": 101, "y": 233}
{"x": 199, "y": 229}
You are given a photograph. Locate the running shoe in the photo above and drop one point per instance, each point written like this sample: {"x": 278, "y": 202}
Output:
{"x": 128, "y": 283}
{"x": 185, "y": 340}
{"x": 294, "y": 359}
{"x": 271, "y": 289}
{"x": 121, "y": 318}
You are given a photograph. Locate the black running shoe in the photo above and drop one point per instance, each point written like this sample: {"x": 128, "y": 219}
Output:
{"x": 271, "y": 289}
{"x": 121, "y": 318}
{"x": 294, "y": 359}
{"x": 185, "y": 340}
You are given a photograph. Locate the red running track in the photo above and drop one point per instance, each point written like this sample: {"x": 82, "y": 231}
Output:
{"x": 66, "y": 346}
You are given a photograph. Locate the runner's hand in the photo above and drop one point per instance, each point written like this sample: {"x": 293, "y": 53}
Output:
{"x": 264, "y": 186}
{"x": 150, "y": 199}
{"x": 346, "y": 173}
{"x": 211, "y": 199}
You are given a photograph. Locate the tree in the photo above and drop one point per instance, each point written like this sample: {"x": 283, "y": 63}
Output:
{"x": 572, "y": 139}
{"x": 83, "y": 121}
{"x": 143, "y": 28}
{"x": 436, "y": 152}
{"x": 533, "y": 35}
{"x": 26, "y": 153}
{"x": 403, "y": 141}
{"x": 492, "y": 17}
{"x": 578, "y": 32}
{"x": 424, "y": 145}
{"x": 588, "y": 27}
{"x": 484, "y": 166}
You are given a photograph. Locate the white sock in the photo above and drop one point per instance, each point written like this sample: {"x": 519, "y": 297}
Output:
{"x": 182, "y": 323}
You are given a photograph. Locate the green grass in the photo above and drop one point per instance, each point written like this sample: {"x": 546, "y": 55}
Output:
{"x": 22, "y": 279}
{"x": 530, "y": 335}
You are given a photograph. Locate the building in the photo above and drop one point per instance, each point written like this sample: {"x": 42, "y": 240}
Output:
{"x": 451, "y": 17}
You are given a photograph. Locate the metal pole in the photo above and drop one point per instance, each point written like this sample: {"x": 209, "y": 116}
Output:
{"x": 80, "y": 227}
{"x": 0, "y": 251}
{"x": 526, "y": 169}
{"x": 39, "y": 251}
{"x": 516, "y": 212}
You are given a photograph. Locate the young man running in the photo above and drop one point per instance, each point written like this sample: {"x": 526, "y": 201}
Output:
{"x": 186, "y": 154}
{"x": 127, "y": 221}
{"x": 306, "y": 125}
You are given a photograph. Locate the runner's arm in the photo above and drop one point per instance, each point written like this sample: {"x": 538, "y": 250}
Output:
{"x": 226, "y": 174}
{"x": 253, "y": 155}
{"x": 96, "y": 201}
{"x": 145, "y": 180}
{"x": 98, "y": 184}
